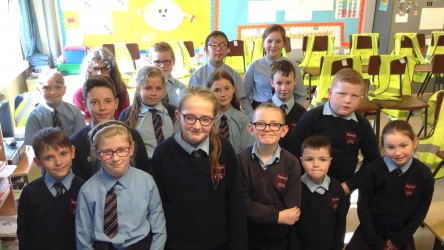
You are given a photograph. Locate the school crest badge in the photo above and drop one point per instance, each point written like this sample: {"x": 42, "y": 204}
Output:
{"x": 351, "y": 138}
{"x": 409, "y": 189}
{"x": 72, "y": 206}
{"x": 281, "y": 181}
{"x": 218, "y": 176}
{"x": 335, "y": 202}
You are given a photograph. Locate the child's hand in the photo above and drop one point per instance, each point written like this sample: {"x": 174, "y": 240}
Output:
{"x": 389, "y": 246}
{"x": 345, "y": 187}
{"x": 289, "y": 216}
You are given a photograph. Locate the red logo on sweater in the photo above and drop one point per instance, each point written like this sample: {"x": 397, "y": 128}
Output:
{"x": 409, "y": 189}
{"x": 281, "y": 181}
{"x": 221, "y": 174}
{"x": 351, "y": 138}
{"x": 335, "y": 202}
{"x": 72, "y": 206}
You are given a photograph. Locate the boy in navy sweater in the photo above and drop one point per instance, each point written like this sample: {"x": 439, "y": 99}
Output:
{"x": 101, "y": 102}
{"x": 46, "y": 212}
{"x": 323, "y": 205}
{"x": 283, "y": 81}
{"x": 348, "y": 131}
{"x": 272, "y": 183}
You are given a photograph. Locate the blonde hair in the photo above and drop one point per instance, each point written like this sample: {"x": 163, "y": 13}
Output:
{"x": 215, "y": 144}
{"x": 51, "y": 74}
{"x": 142, "y": 77}
{"x": 163, "y": 47}
{"x": 268, "y": 105}
{"x": 109, "y": 129}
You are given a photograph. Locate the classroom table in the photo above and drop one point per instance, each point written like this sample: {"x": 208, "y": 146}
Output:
{"x": 434, "y": 221}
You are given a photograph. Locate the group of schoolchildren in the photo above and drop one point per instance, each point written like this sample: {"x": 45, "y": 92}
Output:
{"x": 216, "y": 165}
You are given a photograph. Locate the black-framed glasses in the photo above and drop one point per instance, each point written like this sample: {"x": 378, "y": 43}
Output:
{"x": 164, "y": 62}
{"x": 191, "y": 119}
{"x": 261, "y": 126}
{"x": 221, "y": 46}
{"x": 106, "y": 155}
{"x": 104, "y": 70}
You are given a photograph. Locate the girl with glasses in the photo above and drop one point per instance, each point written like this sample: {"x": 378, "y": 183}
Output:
{"x": 100, "y": 61}
{"x": 216, "y": 48}
{"x": 199, "y": 180}
{"x": 119, "y": 207}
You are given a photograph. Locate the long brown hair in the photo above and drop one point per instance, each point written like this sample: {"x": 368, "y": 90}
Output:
{"x": 142, "y": 77}
{"x": 215, "y": 144}
{"x": 222, "y": 74}
{"x": 103, "y": 54}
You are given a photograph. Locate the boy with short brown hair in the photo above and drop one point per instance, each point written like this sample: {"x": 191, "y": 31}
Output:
{"x": 46, "y": 211}
{"x": 272, "y": 183}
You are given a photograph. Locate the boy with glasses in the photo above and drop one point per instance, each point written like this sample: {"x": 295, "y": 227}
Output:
{"x": 217, "y": 47}
{"x": 162, "y": 56}
{"x": 272, "y": 182}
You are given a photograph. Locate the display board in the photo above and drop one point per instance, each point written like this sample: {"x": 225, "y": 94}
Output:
{"x": 95, "y": 22}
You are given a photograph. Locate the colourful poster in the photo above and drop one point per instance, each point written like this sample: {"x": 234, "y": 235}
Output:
{"x": 347, "y": 9}
{"x": 383, "y": 5}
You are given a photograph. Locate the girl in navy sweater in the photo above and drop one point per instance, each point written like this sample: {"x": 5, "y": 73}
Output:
{"x": 395, "y": 193}
{"x": 199, "y": 180}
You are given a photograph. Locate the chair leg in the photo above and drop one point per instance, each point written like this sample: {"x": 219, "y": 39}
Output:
{"x": 435, "y": 172}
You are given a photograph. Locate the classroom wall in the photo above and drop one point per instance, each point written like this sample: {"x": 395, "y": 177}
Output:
{"x": 141, "y": 21}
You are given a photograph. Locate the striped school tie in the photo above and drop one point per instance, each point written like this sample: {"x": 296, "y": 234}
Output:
{"x": 224, "y": 130}
{"x": 157, "y": 124}
{"x": 397, "y": 171}
{"x": 60, "y": 189}
{"x": 56, "y": 119}
{"x": 110, "y": 222}
{"x": 284, "y": 108}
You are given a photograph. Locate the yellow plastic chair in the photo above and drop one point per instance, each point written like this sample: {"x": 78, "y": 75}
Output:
{"x": 411, "y": 45}
{"x": 430, "y": 145}
{"x": 436, "y": 45}
{"x": 237, "y": 56}
{"x": 364, "y": 45}
{"x": 23, "y": 105}
{"x": 313, "y": 48}
{"x": 393, "y": 77}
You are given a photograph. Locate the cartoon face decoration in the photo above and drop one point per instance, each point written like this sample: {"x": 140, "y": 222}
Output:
{"x": 163, "y": 15}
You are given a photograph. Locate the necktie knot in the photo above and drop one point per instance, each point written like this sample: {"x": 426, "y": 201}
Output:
{"x": 56, "y": 119}
{"x": 284, "y": 108}
{"x": 397, "y": 171}
{"x": 197, "y": 153}
{"x": 60, "y": 189}
{"x": 224, "y": 130}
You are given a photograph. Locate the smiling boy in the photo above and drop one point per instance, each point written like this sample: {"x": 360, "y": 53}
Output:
{"x": 47, "y": 207}
{"x": 271, "y": 180}
{"x": 53, "y": 112}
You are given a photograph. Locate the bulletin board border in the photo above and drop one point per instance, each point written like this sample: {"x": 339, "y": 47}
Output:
{"x": 294, "y": 25}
